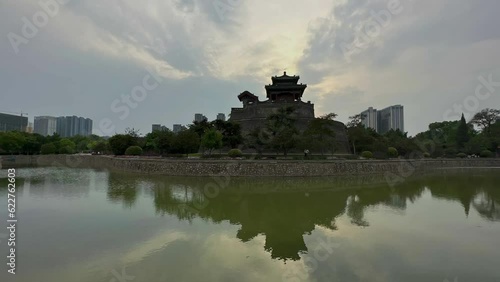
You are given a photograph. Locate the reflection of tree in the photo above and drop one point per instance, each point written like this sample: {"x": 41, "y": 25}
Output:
{"x": 284, "y": 210}
{"x": 464, "y": 188}
{"x": 122, "y": 189}
{"x": 395, "y": 198}
{"x": 487, "y": 204}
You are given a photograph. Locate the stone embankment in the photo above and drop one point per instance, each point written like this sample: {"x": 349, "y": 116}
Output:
{"x": 196, "y": 167}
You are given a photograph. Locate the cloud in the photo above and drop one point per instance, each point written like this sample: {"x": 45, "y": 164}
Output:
{"x": 427, "y": 56}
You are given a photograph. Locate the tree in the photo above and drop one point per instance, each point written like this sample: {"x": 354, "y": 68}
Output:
{"x": 164, "y": 141}
{"x": 32, "y": 144}
{"x": 212, "y": 139}
{"x": 462, "y": 133}
{"x": 98, "y": 146}
{"x": 283, "y": 134}
{"x": 200, "y": 127}
{"x": 12, "y": 142}
{"x": 485, "y": 118}
{"x": 48, "y": 149}
{"x": 133, "y": 151}
{"x": 132, "y": 132}
{"x": 231, "y": 133}
{"x": 120, "y": 142}
{"x": 66, "y": 146}
{"x": 185, "y": 142}
{"x": 257, "y": 139}
{"x": 355, "y": 121}
{"x": 320, "y": 134}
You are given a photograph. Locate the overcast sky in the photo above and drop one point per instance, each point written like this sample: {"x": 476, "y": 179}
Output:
{"x": 180, "y": 57}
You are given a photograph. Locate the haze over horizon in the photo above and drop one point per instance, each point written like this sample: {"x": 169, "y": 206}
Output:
{"x": 195, "y": 56}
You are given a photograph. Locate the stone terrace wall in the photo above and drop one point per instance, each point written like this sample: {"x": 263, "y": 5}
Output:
{"x": 396, "y": 168}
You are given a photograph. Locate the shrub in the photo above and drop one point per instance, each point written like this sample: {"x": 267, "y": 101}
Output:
{"x": 392, "y": 152}
{"x": 427, "y": 155}
{"x": 235, "y": 153}
{"x": 486, "y": 154}
{"x": 66, "y": 150}
{"x": 461, "y": 155}
{"x": 133, "y": 151}
{"x": 48, "y": 149}
{"x": 367, "y": 155}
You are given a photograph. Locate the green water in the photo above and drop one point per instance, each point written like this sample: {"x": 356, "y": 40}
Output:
{"x": 90, "y": 225}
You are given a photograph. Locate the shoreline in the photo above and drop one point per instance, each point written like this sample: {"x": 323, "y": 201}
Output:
{"x": 396, "y": 168}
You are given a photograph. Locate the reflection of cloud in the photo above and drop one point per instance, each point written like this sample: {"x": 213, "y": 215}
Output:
{"x": 140, "y": 251}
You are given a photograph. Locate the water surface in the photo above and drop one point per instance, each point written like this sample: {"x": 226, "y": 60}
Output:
{"x": 91, "y": 225}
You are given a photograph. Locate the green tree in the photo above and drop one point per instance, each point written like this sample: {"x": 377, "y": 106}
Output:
{"x": 98, "y": 146}
{"x": 257, "y": 139}
{"x": 485, "y": 118}
{"x": 320, "y": 134}
{"x": 392, "y": 152}
{"x": 231, "y": 133}
{"x": 462, "y": 133}
{"x": 185, "y": 142}
{"x": 211, "y": 140}
{"x": 283, "y": 133}
{"x": 164, "y": 141}
{"x": 32, "y": 144}
{"x": 133, "y": 151}
{"x": 120, "y": 142}
{"x": 66, "y": 146}
{"x": 200, "y": 127}
{"x": 48, "y": 149}
{"x": 12, "y": 142}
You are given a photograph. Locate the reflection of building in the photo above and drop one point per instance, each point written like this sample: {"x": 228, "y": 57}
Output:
{"x": 12, "y": 123}
{"x": 199, "y": 117}
{"x": 45, "y": 125}
{"x": 369, "y": 118}
{"x": 72, "y": 125}
{"x": 221, "y": 116}
{"x": 390, "y": 118}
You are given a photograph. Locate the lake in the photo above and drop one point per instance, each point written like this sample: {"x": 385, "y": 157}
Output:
{"x": 94, "y": 225}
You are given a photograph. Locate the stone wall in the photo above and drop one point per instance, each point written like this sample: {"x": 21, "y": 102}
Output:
{"x": 392, "y": 168}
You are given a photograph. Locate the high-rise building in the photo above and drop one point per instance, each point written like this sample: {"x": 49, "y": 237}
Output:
{"x": 390, "y": 118}
{"x": 369, "y": 118}
{"x": 199, "y": 117}
{"x": 221, "y": 116}
{"x": 29, "y": 128}
{"x": 178, "y": 128}
{"x": 159, "y": 127}
{"x": 45, "y": 125}
{"x": 72, "y": 125}
{"x": 156, "y": 127}
{"x": 13, "y": 123}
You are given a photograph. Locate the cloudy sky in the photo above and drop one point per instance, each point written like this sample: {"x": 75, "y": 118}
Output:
{"x": 179, "y": 57}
